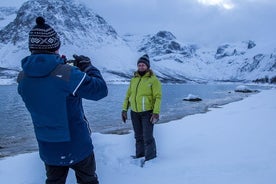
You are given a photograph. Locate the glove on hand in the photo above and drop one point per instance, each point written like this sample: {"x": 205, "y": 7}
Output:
{"x": 124, "y": 116}
{"x": 154, "y": 118}
{"x": 82, "y": 62}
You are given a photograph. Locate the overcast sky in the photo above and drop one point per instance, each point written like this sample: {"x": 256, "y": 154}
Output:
{"x": 196, "y": 21}
{"x": 204, "y": 21}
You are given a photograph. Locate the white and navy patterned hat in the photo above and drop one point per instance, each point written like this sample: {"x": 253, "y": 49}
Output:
{"x": 43, "y": 37}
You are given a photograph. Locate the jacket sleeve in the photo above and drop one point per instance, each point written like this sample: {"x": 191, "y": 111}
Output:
{"x": 126, "y": 103}
{"x": 93, "y": 86}
{"x": 157, "y": 96}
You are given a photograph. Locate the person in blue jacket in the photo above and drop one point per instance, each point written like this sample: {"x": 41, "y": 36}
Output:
{"x": 52, "y": 92}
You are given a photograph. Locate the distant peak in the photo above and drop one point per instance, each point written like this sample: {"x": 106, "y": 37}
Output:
{"x": 166, "y": 34}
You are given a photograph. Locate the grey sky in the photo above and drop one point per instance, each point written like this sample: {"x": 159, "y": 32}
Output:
{"x": 189, "y": 20}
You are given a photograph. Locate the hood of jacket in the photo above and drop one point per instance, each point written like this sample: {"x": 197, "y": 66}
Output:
{"x": 40, "y": 65}
{"x": 149, "y": 73}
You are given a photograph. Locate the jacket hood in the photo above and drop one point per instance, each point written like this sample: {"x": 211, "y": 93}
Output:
{"x": 148, "y": 74}
{"x": 40, "y": 65}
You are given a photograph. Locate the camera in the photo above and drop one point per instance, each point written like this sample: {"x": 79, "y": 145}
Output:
{"x": 68, "y": 61}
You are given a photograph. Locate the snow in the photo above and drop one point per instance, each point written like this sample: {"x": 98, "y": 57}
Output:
{"x": 7, "y": 81}
{"x": 5, "y": 21}
{"x": 235, "y": 143}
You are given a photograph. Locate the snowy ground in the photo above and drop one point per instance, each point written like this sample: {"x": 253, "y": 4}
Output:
{"x": 234, "y": 144}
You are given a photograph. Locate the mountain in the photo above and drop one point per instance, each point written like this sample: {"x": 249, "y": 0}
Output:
{"x": 248, "y": 61}
{"x": 168, "y": 56}
{"x": 175, "y": 61}
{"x": 82, "y": 31}
{"x": 72, "y": 22}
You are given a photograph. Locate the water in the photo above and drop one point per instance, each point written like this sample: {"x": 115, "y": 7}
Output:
{"x": 17, "y": 136}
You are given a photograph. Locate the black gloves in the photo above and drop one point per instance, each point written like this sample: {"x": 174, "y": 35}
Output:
{"x": 82, "y": 62}
{"x": 154, "y": 118}
{"x": 124, "y": 116}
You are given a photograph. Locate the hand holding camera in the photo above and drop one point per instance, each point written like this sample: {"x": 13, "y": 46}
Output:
{"x": 82, "y": 62}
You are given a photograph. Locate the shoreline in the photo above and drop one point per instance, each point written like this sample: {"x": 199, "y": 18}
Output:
{"x": 122, "y": 129}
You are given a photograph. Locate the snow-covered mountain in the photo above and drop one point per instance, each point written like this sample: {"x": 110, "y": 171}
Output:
{"x": 84, "y": 32}
{"x": 81, "y": 31}
{"x": 244, "y": 61}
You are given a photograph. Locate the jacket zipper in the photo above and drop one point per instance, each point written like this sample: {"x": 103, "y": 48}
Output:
{"x": 136, "y": 94}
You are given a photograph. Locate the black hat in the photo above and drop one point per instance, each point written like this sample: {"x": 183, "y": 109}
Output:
{"x": 43, "y": 37}
{"x": 144, "y": 59}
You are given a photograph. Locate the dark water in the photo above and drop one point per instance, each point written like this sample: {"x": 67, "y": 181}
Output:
{"x": 17, "y": 136}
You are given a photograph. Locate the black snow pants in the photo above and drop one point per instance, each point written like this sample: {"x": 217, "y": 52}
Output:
{"x": 84, "y": 171}
{"x": 143, "y": 132}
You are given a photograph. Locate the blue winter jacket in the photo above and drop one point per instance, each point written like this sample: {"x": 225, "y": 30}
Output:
{"x": 53, "y": 92}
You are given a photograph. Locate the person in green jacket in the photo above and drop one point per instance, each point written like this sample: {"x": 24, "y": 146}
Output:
{"x": 143, "y": 97}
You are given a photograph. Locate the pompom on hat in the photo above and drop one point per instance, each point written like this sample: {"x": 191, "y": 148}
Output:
{"x": 144, "y": 59}
{"x": 43, "y": 37}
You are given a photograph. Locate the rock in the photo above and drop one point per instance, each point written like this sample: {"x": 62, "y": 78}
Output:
{"x": 244, "y": 89}
{"x": 251, "y": 44}
{"x": 165, "y": 43}
{"x": 273, "y": 80}
{"x": 192, "y": 98}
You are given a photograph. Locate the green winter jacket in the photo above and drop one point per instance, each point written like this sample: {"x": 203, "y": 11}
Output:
{"x": 144, "y": 93}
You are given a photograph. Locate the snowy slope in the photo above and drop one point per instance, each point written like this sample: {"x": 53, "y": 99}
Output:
{"x": 7, "y": 14}
{"x": 232, "y": 144}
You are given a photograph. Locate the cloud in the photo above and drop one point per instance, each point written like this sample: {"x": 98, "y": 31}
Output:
{"x": 191, "y": 20}
{"x": 226, "y": 4}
